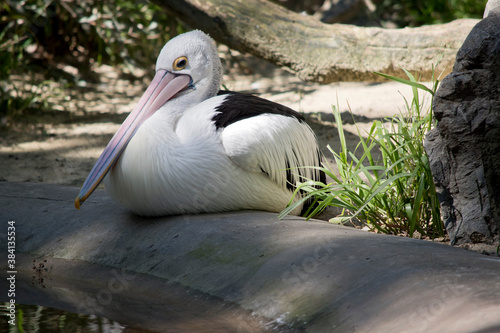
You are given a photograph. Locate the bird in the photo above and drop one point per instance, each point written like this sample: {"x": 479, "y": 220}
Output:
{"x": 188, "y": 147}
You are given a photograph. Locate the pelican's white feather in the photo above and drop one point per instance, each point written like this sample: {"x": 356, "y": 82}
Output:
{"x": 272, "y": 144}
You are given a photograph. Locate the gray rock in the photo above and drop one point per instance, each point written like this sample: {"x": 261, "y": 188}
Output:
{"x": 308, "y": 6}
{"x": 343, "y": 11}
{"x": 305, "y": 275}
{"x": 464, "y": 148}
{"x": 492, "y": 8}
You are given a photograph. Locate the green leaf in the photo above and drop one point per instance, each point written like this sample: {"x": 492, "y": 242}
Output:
{"x": 340, "y": 219}
{"x": 407, "y": 82}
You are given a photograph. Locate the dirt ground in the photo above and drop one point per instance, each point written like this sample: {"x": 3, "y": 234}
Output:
{"x": 60, "y": 147}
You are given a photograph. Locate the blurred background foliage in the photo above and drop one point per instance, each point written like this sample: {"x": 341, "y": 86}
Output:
{"x": 39, "y": 39}
{"x": 419, "y": 12}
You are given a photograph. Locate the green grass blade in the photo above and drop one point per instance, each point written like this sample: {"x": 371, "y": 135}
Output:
{"x": 407, "y": 82}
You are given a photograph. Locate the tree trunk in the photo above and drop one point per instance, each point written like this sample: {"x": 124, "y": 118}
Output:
{"x": 320, "y": 52}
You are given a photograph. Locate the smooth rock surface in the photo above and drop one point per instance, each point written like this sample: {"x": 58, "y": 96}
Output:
{"x": 305, "y": 275}
{"x": 464, "y": 148}
{"x": 137, "y": 301}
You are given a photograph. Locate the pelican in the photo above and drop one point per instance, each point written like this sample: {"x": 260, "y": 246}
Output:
{"x": 189, "y": 148}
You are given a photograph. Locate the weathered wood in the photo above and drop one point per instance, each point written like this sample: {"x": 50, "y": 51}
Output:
{"x": 320, "y": 52}
{"x": 215, "y": 269}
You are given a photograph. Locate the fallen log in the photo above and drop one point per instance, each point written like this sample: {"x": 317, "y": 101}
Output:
{"x": 307, "y": 276}
{"x": 321, "y": 52}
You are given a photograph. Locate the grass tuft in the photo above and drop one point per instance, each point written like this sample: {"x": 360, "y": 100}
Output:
{"x": 394, "y": 194}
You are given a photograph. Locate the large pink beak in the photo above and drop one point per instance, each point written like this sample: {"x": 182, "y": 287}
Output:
{"x": 163, "y": 87}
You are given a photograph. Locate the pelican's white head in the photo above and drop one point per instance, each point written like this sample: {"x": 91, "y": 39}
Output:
{"x": 188, "y": 71}
{"x": 195, "y": 54}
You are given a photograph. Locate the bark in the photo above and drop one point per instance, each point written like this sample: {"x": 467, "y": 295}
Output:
{"x": 321, "y": 52}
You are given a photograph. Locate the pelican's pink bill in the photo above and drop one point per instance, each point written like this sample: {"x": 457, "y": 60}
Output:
{"x": 163, "y": 87}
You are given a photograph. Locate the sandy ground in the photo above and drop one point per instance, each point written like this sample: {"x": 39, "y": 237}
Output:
{"x": 61, "y": 147}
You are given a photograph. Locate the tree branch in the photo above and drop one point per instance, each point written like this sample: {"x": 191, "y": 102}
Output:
{"x": 321, "y": 52}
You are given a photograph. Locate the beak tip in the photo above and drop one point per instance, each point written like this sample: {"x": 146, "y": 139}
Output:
{"x": 77, "y": 202}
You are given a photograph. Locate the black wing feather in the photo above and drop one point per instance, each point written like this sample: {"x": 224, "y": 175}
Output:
{"x": 238, "y": 106}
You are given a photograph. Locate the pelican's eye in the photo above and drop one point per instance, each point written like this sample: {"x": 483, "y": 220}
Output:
{"x": 180, "y": 63}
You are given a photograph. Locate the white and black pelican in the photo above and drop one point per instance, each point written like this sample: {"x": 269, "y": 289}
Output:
{"x": 188, "y": 148}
